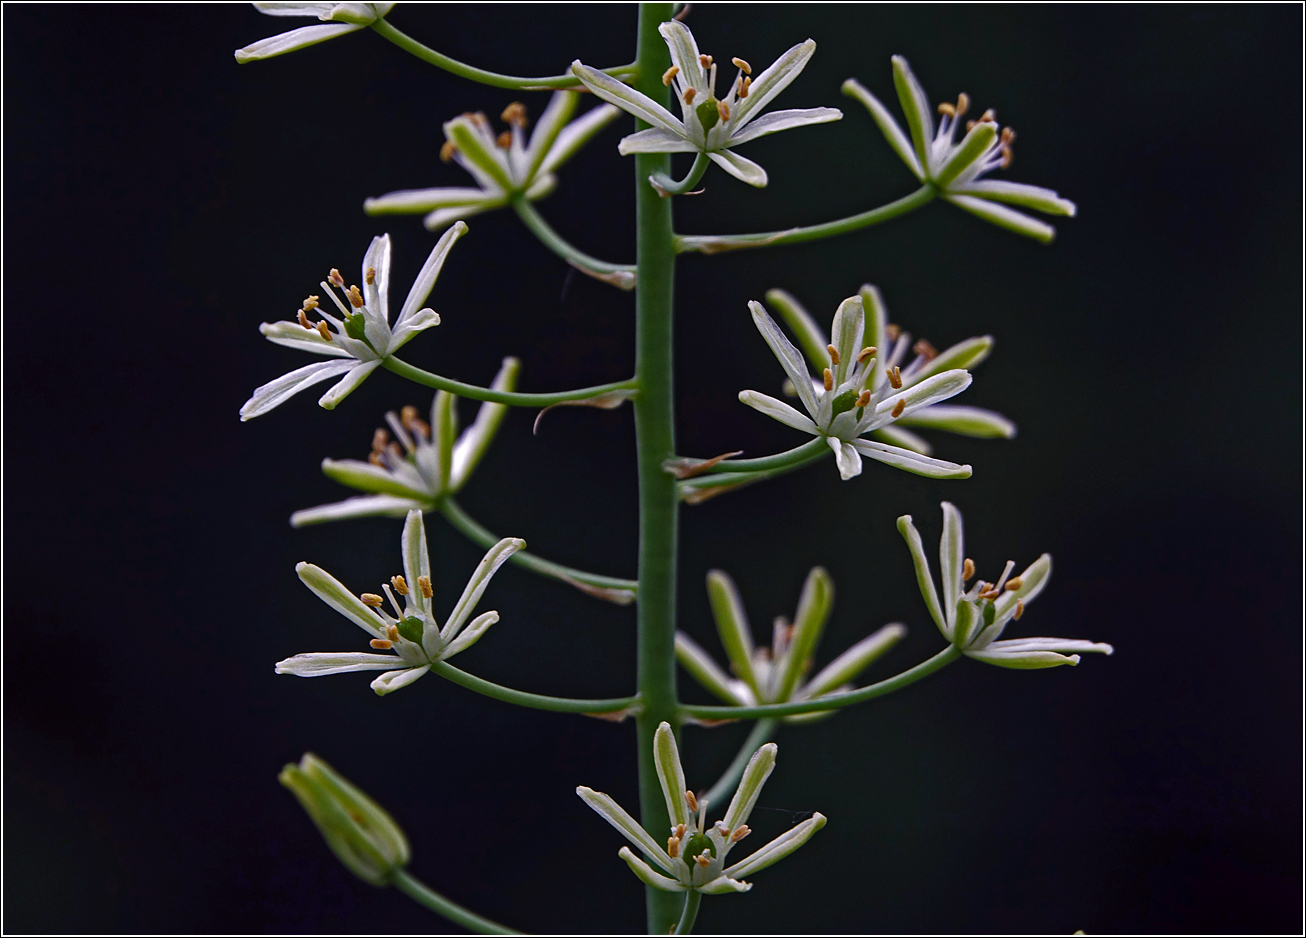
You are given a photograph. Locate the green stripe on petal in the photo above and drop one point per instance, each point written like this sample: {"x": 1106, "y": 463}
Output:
{"x": 332, "y": 592}
{"x": 924, "y": 578}
{"x": 671, "y": 775}
{"x": 755, "y": 775}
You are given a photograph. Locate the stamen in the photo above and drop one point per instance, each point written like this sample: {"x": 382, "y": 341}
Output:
{"x": 865, "y": 354}
{"x": 1006, "y": 572}
{"x": 392, "y": 632}
{"x": 834, "y": 353}
{"x": 898, "y": 408}
{"x": 1007, "y": 157}
{"x": 381, "y": 643}
{"x": 967, "y": 570}
{"x": 948, "y": 109}
{"x": 702, "y": 859}
{"x": 504, "y": 140}
{"x": 892, "y": 330}
{"x": 311, "y": 302}
{"x": 407, "y": 415}
{"x": 323, "y": 331}
{"x": 424, "y": 584}
{"x": 669, "y": 74}
{"x": 723, "y": 109}
{"x": 336, "y": 279}
{"x": 1020, "y": 609}
{"x": 740, "y": 832}
{"x": 705, "y": 61}
{"x": 924, "y": 348}
{"x": 356, "y": 297}
{"x": 375, "y": 459}
{"x": 963, "y": 103}
{"x": 370, "y": 276}
{"x": 742, "y": 65}
{"x": 864, "y": 399}
{"x": 447, "y": 150}
{"x": 745, "y": 84}
{"x": 680, "y": 831}
{"x": 1008, "y": 136}
{"x": 990, "y": 593}
{"x": 829, "y": 380}
{"x": 379, "y": 439}
{"x": 989, "y": 115}
{"x": 895, "y": 377}
{"x": 691, "y": 801}
{"x": 394, "y": 450}
{"x": 1014, "y": 583}
{"x": 303, "y": 320}
{"x": 673, "y": 847}
{"x": 515, "y": 115}
{"x": 400, "y": 584}
{"x": 371, "y": 599}
{"x": 689, "y": 95}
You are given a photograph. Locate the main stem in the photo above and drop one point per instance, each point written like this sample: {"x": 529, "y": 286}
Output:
{"x": 655, "y": 262}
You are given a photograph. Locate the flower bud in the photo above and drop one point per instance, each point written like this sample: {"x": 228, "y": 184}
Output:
{"x": 358, "y": 831}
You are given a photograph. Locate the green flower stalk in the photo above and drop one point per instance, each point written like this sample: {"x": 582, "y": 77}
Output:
{"x": 973, "y": 619}
{"x": 358, "y": 830}
{"x": 694, "y": 858}
{"x": 776, "y": 674}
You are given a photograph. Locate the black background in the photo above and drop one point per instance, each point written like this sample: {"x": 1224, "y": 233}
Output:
{"x": 161, "y": 202}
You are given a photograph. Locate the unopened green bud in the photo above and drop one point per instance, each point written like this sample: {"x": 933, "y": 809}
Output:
{"x": 708, "y": 114}
{"x": 357, "y": 829}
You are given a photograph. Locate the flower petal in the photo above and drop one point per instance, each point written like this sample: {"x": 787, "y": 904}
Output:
{"x": 321, "y": 663}
{"x": 845, "y": 457}
{"x": 320, "y": 10}
{"x": 1018, "y": 193}
{"x": 369, "y": 478}
{"x": 774, "y": 79}
{"x": 377, "y": 293}
{"x": 470, "y": 635}
{"x": 1004, "y": 217}
{"x": 790, "y": 360}
{"x": 952, "y": 552}
{"x": 888, "y": 126}
{"x": 479, "y": 155}
{"x": 922, "y": 394}
{"x": 671, "y": 775}
{"x": 1033, "y": 580}
{"x": 360, "y": 506}
{"x": 494, "y": 558}
{"x": 332, "y": 592}
{"x": 777, "y": 121}
{"x": 707, "y": 672}
{"x": 655, "y": 140}
{"x": 916, "y": 108}
{"x": 476, "y": 439}
{"x": 1023, "y": 660}
{"x": 974, "y": 145}
{"x": 846, "y": 336}
{"x": 293, "y": 335}
{"x": 280, "y": 390}
{"x": 778, "y": 410}
{"x": 724, "y": 884}
{"x": 912, "y": 462}
{"x": 814, "y": 608}
{"x": 742, "y": 168}
{"x": 877, "y": 325}
{"x": 684, "y": 52}
{"x": 964, "y": 355}
{"x": 1051, "y": 644}
{"x": 732, "y": 626}
{"x": 441, "y": 217}
{"x": 924, "y": 578}
{"x": 426, "y": 276}
{"x": 626, "y": 98}
{"x": 615, "y": 815}
{"x": 779, "y": 848}
{"x": 346, "y": 385}
{"x": 759, "y": 769}
{"x": 290, "y": 41}
{"x": 853, "y": 661}
{"x": 811, "y": 337}
{"x": 391, "y": 681}
{"x": 576, "y": 134}
{"x": 410, "y": 201}
{"x": 647, "y": 874}
{"x": 967, "y": 421}
{"x": 895, "y": 435}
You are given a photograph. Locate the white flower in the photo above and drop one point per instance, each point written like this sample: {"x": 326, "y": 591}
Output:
{"x": 428, "y": 466}
{"x": 775, "y": 675}
{"x": 893, "y": 345}
{"x": 342, "y": 17}
{"x": 694, "y": 858}
{"x": 709, "y": 125}
{"x": 973, "y": 619}
{"x": 849, "y": 403}
{"x": 955, "y": 168}
{"x": 412, "y": 635}
{"x": 361, "y": 337}
{"x": 504, "y": 166}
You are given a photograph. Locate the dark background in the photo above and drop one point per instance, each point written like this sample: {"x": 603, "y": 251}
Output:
{"x": 161, "y": 202}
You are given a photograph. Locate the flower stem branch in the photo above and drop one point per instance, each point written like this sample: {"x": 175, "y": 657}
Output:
{"x": 535, "y": 701}
{"x": 831, "y": 702}
{"x": 667, "y": 186}
{"x": 762, "y": 732}
{"x": 619, "y": 275}
{"x": 789, "y": 459}
{"x": 423, "y": 894}
{"x": 713, "y": 244}
{"x": 686, "y": 923}
{"x": 473, "y": 531}
{"x": 439, "y": 60}
{"x": 514, "y": 398}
